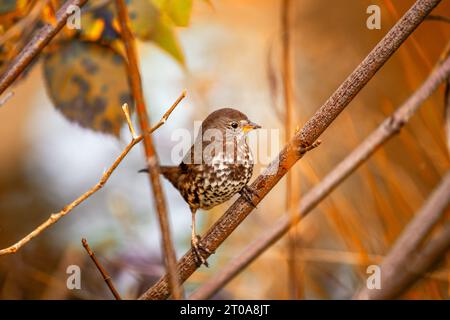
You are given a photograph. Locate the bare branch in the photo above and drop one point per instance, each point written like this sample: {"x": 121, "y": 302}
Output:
{"x": 102, "y": 270}
{"x": 358, "y": 156}
{"x": 447, "y": 113}
{"x": 422, "y": 262}
{"x": 37, "y": 43}
{"x": 105, "y": 177}
{"x": 26, "y": 23}
{"x": 292, "y": 184}
{"x": 438, "y": 18}
{"x": 240, "y": 209}
{"x": 393, "y": 280}
{"x": 126, "y": 111}
{"x": 6, "y": 98}
{"x": 151, "y": 157}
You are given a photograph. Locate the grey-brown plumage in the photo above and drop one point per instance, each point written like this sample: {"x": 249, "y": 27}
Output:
{"x": 218, "y": 165}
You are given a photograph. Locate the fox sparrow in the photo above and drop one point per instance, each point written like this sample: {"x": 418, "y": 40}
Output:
{"x": 218, "y": 165}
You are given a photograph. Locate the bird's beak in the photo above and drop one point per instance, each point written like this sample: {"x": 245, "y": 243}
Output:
{"x": 249, "y": 126}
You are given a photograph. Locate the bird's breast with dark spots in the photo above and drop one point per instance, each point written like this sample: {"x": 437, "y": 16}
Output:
{"x": 222, "y": 181}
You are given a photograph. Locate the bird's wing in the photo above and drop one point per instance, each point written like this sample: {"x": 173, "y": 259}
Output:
{"x": 172, "y": 173}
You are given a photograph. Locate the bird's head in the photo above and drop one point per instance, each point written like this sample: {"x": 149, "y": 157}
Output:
{"x": 231, "y": 123}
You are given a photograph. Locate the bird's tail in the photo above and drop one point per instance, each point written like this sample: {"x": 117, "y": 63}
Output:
{"x": 171, "y": 173}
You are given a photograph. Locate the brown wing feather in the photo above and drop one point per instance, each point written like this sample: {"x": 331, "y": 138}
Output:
{"x": 172, "y": 173}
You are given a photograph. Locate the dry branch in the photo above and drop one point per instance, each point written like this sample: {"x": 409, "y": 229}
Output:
{"x": 358, "y": 156}
{"x": 434, "y": 251}
{"x": 37, "y": 43}
{"x": 105, "y": 275}
{"x": 447, "y": 113}
{"x": 6, "y": 98}
{"x": 105, "y": 177}
{"x": 151, "y": 157}
{"x": 292, "y": 152}
{"x": 26, "y": 23}
{"x": 438, "y": 18}
{"x": 394, "y": 279}
{"x": 292, "y": 183}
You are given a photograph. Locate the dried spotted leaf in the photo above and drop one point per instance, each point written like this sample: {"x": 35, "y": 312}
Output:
{"x": 88, "y": 83}
{"x": 98, "y": 23}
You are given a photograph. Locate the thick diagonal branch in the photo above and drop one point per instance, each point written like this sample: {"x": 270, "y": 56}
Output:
{"x": 37, "y": 43}
{"x": 290, "y": 154}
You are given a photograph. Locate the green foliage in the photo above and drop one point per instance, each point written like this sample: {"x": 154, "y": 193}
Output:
{"x": 179, "y": 11}
{"x": 149, "y": 22}
{"x": 88, "y": 83}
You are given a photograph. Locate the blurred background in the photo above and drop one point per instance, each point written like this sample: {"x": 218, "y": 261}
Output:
{"x": 232, "y": 57}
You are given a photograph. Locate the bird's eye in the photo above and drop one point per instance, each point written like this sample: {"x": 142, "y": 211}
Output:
{"x": 234, "y": 125}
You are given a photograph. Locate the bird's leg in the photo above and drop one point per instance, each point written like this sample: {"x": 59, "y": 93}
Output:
{"x": 196, "y": 244}
{"x": 248, "y": 194}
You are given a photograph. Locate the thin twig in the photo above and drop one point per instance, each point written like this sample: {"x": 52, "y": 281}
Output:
{"x": 272, "y": 81}
{"x": 102, "y": 270}
{"x": 151, "y": 157}
{"x": 320, "y": 121}
{"x": 26, "y": 23}
{"x": 292, "y": 184}
{"x": 37, "y": 43}
{"x": 6, "y": 98}
{"x": 408, "y": 244}
{"x": 358, "y": 156}
{"x": 447, "y": 113}
{"x": 106, "y": 175}
{"x": 126, "y": 111}
{"x": 438, "y": 18}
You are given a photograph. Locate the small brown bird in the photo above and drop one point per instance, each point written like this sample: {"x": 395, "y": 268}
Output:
{"x": 218, "y": 165}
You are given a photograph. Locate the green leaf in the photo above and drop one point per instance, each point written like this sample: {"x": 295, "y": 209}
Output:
{"x": 144, "y": 17}
{"x": 164, "y": 37}
{"x": 88, "y": 83}
{"x": 158, "y": 3}
{"x": 149, "y": 23}
{"x": 179, "y": 11}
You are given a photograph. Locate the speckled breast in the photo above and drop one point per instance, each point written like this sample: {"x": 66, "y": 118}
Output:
{"x": 223, "y": 179}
